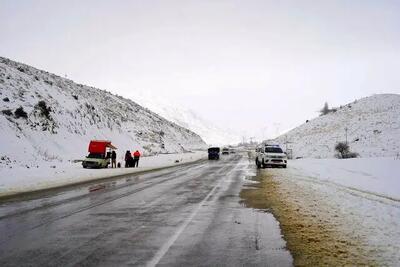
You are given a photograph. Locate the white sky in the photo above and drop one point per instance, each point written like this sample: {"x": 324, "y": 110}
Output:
{"x": 257, "y": 67}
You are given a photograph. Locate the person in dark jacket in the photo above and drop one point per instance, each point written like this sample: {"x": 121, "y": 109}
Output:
{"x": 136, "y": 157}
{"x": 128, "y": 159}
{"x": 113, "y": 159}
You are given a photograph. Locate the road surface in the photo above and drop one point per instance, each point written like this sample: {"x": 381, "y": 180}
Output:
{"x": 184, "y": 216}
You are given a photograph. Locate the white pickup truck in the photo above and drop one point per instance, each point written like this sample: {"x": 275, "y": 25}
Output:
{"x": 270, "y": 155}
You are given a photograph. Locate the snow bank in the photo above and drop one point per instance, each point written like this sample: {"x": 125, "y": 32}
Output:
{"x": 359, "y": 198}
{"x": 21, "y": 179}
{"x": 378, "y": 176}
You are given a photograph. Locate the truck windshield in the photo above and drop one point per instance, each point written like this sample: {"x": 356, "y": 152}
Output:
{"x": 273, "y": 150}
{"x": 95, "y": 156}
{"x": 213, "y": 150}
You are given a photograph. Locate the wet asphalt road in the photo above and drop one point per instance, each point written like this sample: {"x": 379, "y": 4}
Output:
{"x": 184, "y": 216}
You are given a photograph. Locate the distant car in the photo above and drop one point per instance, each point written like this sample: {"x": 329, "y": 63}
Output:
{"x": 225, "y": 151}
{"x": 270, "y": 155}
{"x": 213, "y": 153}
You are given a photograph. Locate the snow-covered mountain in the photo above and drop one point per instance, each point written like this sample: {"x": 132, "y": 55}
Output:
{"x": 373, "y": 129}
{"x": 46, "y": 117}
{"x": 187, "y": 118}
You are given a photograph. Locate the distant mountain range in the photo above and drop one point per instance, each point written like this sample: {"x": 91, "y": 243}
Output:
{"x": 187, "y": 118}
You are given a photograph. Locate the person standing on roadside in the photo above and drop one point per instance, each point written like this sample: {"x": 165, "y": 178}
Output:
{"x": 113, "y": 159}
{"x": 136, "y": 157}
{"x": 127, "y": 159}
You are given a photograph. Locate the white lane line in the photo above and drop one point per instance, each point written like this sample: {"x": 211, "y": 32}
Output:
{"x": 164, "y": 249}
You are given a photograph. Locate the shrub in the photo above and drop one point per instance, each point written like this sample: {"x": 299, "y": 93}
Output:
{"x": 6, "y": 99}
{"x": 343, "y": 150}
{"x": 20, "y": 113}
{"x": 7, "y": 112}
{"x": 352, "y": 155}
{"x": 43, "y": 108}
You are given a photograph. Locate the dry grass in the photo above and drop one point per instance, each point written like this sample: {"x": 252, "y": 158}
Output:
{"x": 312, "y": 236}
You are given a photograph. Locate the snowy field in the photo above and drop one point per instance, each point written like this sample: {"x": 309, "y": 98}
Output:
{"x": 375, "y": 176}
{"x": 21, "y": 179}
{"x": 359, "y": 197}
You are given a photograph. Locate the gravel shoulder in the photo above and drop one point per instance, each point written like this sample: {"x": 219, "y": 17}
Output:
{"x": 315, "y": 228}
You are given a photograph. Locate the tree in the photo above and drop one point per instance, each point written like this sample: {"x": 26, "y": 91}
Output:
{"x": 325, "y": 110}
{"x": 343, "y": 149}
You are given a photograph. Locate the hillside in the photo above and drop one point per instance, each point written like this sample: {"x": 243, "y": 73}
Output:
{"x": 187, "y": 118}
{"x": 62, "y": 117}
{"x": 373, "y": 129}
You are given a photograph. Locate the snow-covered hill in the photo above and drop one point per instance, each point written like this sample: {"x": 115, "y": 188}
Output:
{"x": 58, "y": 118}
{"x": 187, "y": 118}
{"x": 373, "y": 129}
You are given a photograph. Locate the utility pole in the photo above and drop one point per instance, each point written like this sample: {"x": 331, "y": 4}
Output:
{"x": 289, "y": 152}
{"x": 346, "y": 129}
{"x": 286, "y": 143}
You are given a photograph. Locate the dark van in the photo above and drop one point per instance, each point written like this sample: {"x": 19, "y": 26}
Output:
{"x": 213, "y": 153}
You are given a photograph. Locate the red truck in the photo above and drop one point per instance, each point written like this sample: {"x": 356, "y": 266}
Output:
{"x": 99, "y": 154}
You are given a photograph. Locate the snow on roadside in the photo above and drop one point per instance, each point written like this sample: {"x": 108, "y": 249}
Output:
{"x": 359, "y": 197}
{"x": 379, "y": 176}
{"x": 20, "y": 179}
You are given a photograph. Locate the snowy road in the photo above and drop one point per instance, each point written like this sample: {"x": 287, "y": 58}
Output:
{"x": 188, "y": 215}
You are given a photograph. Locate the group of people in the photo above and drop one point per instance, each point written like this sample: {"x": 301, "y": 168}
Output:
{"x": 132, "y": 159}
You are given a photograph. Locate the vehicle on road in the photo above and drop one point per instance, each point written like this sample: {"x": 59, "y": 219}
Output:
{"x": 99, "y": 154}
{"x": 225, "y": 151}
{"x": 213, "y": 153}
{"x": 270, "y": 156}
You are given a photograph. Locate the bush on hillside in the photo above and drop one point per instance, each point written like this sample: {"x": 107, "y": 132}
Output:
{"x": 20, "y": 113}
{"x": 344, "y": 152}
{"x": 43, "y": 109}
{"x": 351, "y": 155}
{"x": 7, "y": 112}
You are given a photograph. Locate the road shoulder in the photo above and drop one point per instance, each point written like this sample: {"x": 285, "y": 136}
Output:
{"x": 314, "y": 237}
{"x": 16, "y": 182}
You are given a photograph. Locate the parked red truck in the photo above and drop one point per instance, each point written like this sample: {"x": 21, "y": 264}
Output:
{"x": 99, "y": 154}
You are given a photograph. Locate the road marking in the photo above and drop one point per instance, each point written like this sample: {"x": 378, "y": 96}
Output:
{"x": 164, "y": 249}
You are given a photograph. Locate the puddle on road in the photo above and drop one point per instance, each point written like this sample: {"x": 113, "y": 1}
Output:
{"x": 267, "y": 223}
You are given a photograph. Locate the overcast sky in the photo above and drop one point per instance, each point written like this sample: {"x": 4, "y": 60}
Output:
{"x": 257, "y": 67}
